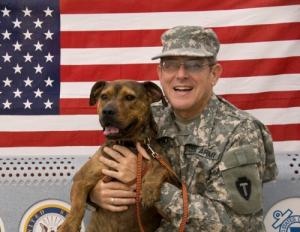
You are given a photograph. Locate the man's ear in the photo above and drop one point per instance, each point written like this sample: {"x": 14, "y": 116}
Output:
{"x": 155, "y": 92}
{"x": 95, "y": 91}
{"x": 216, "y": 73}
{"x": 158, "y": 71}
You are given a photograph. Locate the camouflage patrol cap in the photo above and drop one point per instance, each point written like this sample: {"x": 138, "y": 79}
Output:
{"x": 189, "y": 41}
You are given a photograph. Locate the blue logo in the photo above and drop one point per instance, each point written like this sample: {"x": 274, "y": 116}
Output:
{"x": 286, "y": 221}
{"x": 45, "y": 216}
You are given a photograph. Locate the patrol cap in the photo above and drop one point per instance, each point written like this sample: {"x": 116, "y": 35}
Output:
{"x": 189, "y": 41}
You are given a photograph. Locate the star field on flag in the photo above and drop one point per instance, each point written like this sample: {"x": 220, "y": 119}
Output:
{"x": 29, "y": 57}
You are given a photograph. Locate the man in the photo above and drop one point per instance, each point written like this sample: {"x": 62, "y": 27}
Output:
{"x": 223, "y": 154}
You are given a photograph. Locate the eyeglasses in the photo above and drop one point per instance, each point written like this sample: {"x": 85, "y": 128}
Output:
{"x": 191, "y": 66}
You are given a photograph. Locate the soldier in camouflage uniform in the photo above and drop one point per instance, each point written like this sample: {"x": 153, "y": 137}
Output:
{"x": 223, "y": 154}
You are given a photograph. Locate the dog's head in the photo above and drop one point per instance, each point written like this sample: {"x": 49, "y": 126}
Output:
{"x": 124, "y": 107}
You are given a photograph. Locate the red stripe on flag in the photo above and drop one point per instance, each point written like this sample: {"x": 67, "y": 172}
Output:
{"x": 76, "y": 106}
{"x": 75, "y": 73}
{"x": 285, "y": 132}
{"x": 140, "y": 38}
{"x": 261, "y": 67}
{"x": 258, "y": 33}
{"x": 265, "y": 100}
{"x": 234, "y": 68}
{"x": 131, "y": 6}
{"x": 98, "y": 39}
{"x": 51, "y": 138}
{"x": 96, "y": 138}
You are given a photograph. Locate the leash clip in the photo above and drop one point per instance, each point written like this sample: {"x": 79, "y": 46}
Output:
{"x": 152, "y": 152}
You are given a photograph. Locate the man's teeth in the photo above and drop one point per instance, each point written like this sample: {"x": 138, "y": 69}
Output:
{"x": 182, "y": 88}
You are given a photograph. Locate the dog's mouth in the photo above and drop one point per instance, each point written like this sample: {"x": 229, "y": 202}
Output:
{"x": 114, "y": 132}
{"x": 110, "y": 130}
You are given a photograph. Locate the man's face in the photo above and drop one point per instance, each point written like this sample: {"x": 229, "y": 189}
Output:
{"x": 187, "y": 83}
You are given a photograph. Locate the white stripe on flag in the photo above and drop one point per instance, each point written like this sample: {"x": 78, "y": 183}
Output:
{"x": 142, "y": 55}
{"x": 50, "y": 123}
{"x": 163, "y": 20}
{"x": 258, "y": 84}
{"x": 90, "y": 122}
{"x": 236, "y": 85}
{"x": 277, "y": 116}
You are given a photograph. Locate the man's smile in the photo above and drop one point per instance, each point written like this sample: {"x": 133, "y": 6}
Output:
{"x": 183, "y": 88}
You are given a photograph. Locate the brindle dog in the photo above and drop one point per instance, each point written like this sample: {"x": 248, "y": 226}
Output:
{"x": 125, "y": 115}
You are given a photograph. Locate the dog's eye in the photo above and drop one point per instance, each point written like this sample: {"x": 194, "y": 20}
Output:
{"x": 103, "y": 97}
{"x": 129, "y": 97}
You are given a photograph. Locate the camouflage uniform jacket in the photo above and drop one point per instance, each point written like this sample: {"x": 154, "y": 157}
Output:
{"x": 224, "y": 155}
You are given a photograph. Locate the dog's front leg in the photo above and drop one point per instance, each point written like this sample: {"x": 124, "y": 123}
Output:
{"x": 152, "y": 182}
{"x": 83, "y": 182}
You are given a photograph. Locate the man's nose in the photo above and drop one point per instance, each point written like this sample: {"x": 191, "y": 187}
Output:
{"x": 182, "y": 72}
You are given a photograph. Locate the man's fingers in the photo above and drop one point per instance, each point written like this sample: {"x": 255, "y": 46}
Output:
{"x": 116, "y": 201}
{"x": 113, "y": 153}
{"x": 126, "y": 195}
{"x": 111, "y": 173}
{"x": 123, "y": 190}
{"x": 133, "y": 187}
{"x": 108, "y": 162}
{"x": 114, "y": 208}
{"x": 123, "y": 150}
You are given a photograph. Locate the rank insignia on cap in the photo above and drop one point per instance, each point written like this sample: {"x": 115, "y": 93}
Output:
{"x": 243, "y": 185}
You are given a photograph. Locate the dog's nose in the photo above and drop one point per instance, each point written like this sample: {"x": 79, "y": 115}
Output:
{"x": 108, "y": 111}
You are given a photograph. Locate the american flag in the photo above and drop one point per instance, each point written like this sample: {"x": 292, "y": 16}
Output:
{"x": 51, "y": 53}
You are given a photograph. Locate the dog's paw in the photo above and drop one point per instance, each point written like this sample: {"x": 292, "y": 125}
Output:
{"x": 150, "y": 193}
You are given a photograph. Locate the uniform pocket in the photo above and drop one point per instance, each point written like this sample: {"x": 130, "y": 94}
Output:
{"x": 239, "y": 168}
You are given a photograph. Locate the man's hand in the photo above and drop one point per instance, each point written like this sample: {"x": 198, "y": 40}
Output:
{"x": 114, "y": 196}
{"x": 117, "y": 195}
{"x": 122, "y": 166}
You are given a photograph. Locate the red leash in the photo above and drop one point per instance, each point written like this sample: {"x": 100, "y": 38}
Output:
{"x": 185, "y": 214}
{"x": 138, "y": 190}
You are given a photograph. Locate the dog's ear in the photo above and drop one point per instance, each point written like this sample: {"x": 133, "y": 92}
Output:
{"x": 155, "y": 92}
{"x": 95, "y": 91}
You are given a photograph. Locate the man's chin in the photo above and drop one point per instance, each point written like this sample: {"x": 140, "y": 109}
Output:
{"x": 181, "y": 105}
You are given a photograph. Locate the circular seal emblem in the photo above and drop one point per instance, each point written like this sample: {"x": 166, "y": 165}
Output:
{"x": 45, "y": 216}
{"x": 1, "y": 226}
{"x": 284, "y": 216}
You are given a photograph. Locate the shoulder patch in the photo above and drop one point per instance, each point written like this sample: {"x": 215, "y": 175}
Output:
{"x": 243, "y": 185}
